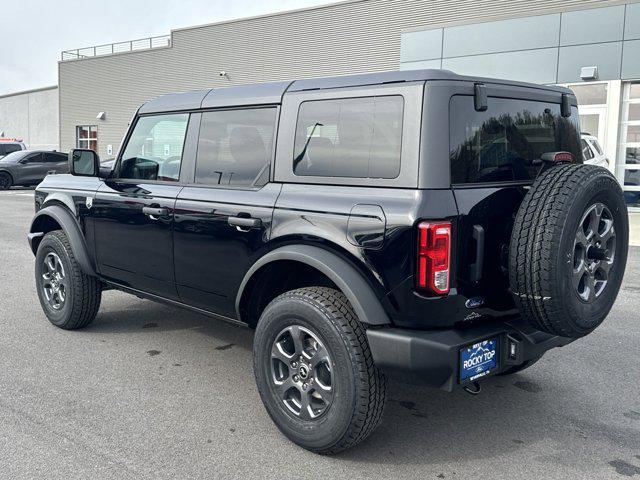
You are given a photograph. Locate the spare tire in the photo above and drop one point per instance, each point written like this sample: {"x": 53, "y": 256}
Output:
{"x": 568, "y": 249}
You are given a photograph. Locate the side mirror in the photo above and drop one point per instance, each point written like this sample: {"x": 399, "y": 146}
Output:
{"x": 84, "y": 163}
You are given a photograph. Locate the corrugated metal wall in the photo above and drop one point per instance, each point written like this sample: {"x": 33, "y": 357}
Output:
{"x": 351, "y": 37}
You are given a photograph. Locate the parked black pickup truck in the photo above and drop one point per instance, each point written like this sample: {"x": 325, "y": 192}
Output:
{"x": 423, "y": 225}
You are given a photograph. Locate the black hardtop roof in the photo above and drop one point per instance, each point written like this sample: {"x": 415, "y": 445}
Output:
{"x": 272, "y": 92}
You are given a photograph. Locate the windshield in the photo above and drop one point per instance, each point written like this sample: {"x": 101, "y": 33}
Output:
{"x": 14, "y": 156}
{"x": 506, "y": 142}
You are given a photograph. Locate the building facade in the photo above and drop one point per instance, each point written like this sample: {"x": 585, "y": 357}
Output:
{"x": 591, "y": 45}
{"x": 31, "y": 116}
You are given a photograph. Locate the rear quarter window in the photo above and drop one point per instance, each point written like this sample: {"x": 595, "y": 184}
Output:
{"x": 349, "y": 137}
{"x": 505, "y": 143}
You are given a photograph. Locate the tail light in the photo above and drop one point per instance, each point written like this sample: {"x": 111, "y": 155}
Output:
{"x": 434, "y": 257}
{"x": 557, "y": 157}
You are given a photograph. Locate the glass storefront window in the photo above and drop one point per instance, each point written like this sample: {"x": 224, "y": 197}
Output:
{"x": 633, "y": 134}
{"x": 591, "y": 93}
{"x": 629, "y": 160}
{"x": 632, "y": 155}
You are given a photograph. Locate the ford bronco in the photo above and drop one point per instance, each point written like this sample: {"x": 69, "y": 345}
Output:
{"x": 420, "y": 225}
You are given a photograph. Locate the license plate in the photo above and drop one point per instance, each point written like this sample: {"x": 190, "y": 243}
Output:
{"x": 478, "y": 360}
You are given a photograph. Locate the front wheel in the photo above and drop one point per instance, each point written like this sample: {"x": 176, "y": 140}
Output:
{"x": 70, "y": 299}
{"x": 315, "y": 372}
{"x": 5, "y": 181}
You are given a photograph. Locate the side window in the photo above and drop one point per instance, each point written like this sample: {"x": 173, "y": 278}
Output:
{"x": 351, "y": 137}
{"x": 34, "y": 158}
{"x": 235, "y": 147}
{"x": 154, "y": 150}
{"x": 586, "y": 151}
{"x": 55, "y": 157}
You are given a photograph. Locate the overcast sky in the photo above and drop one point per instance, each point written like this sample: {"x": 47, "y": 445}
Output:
{"x": 34, "y": 32}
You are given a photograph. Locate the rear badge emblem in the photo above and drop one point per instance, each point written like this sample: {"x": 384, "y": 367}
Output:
{"x": 89, "y": 202}
{"x": 474, "y": 302}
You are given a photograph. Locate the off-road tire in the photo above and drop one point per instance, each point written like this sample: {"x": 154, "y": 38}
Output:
{"x": 543, "y": 246}
{"x": 83, "y": 294}
{"x": 359, "y": 387}
{"x": 6, "y": 182}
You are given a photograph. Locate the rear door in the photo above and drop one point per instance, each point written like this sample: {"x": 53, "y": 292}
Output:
{"x": 223, "y": 216}
{"x": 494, "y": 156}
{"x": 133, "y": 212}
{"x": 55, "y": 162}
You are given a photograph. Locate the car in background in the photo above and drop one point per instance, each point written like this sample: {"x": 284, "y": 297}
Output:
{"x": 10, "y": 145}
{"x": 592, "y": 151}
{"x": 29, "y": 167}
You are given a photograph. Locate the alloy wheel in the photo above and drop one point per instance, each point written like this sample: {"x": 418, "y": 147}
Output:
{"x": 301, "y": 372}
{"x": 54, "y": 281}
{"x": 593, "y": 252}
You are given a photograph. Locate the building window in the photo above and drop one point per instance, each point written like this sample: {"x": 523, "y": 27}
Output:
{"x": 591, "y": 93}
{"x": 628, "y": 171}
{"x": 87, "y": 137}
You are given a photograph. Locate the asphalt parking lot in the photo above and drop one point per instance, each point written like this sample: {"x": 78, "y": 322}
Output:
{"x": 150, "y": 391}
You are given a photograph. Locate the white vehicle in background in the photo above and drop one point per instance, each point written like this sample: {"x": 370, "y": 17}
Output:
{"x": 10, "y": 145}
{"x": 592, "y": 151}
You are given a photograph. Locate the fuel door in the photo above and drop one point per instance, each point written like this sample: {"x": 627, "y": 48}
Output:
{"x": 366, "y": 226}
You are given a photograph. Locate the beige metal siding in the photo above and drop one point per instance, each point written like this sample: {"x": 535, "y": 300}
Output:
{"x": 351, "y": 37}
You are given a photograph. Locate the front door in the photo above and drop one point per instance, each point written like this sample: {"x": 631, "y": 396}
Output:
{"x": 133, "y": 213}
{"x": 223, "y": 218}
{"x": 33, "y": 169}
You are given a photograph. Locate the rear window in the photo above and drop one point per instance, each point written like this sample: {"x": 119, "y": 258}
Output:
{"x": 9, "y": 148}
{"x": 505, "y": 143}
{"x": 351, "y": 137}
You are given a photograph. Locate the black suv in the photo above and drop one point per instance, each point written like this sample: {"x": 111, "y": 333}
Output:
{"x": 435, "y": 228}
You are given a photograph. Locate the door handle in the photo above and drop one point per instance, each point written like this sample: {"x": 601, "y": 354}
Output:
{"x": 244, "y": 224}
{"x": 154, "y": 213}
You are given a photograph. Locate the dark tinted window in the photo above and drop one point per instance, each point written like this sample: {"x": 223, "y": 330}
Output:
{"x": 34, "y": 158}
{"x": 506, "y": 142}
{"x": 8, "y": 148}
{"x": 55, "y": 157}
{"x": 352, "y": 137}
{"x": 235, "y": 147}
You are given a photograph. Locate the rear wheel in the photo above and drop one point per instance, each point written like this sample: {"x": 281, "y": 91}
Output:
{"x": 569, "y": 249}
{"x": 70, "y": 299}
{"x": 5, "y": 181}
{"x": 314, "y": 370}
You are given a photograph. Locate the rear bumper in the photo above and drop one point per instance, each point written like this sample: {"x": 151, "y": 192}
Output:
{"x": 432, "y": 357}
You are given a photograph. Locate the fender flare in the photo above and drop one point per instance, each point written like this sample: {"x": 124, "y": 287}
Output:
{"x": 350, "y": 281}
{"x": 71, "y": 228}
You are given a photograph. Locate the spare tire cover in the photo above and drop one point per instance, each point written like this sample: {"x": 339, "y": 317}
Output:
{"x": 568, "y": 249}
